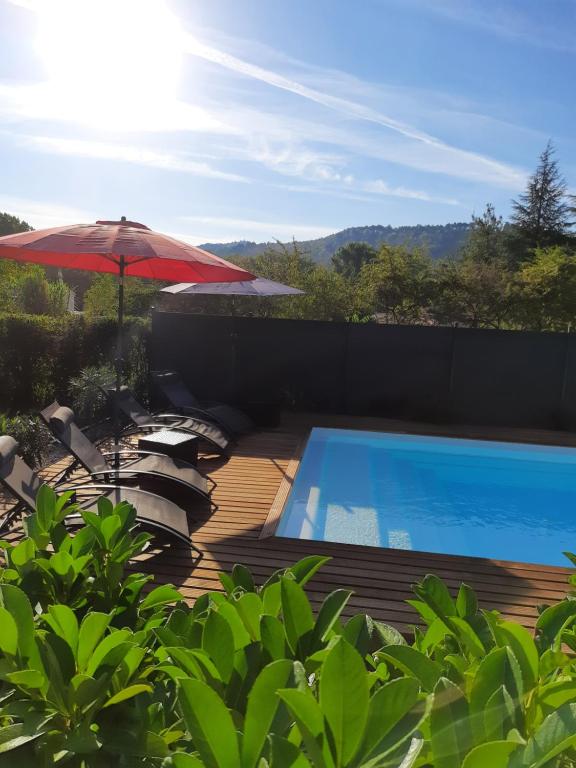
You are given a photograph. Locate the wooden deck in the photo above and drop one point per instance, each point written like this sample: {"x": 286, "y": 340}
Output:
{"x": 248, "y": 484}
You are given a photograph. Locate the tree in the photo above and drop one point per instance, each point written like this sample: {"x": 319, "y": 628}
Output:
{"x": 473, "y": 294}
{"x": 546, "y": 290}
{"x": 486, "y": 241}
{"x": 100, "y": 300}
{"x": 541, "y": 215}
{"x": 396, "y": 285}
{"x": 349, "y": 259}
{"x": 10, "y": 225}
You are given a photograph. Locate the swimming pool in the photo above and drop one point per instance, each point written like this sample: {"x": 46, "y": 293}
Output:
{"x": 505, "y": 501}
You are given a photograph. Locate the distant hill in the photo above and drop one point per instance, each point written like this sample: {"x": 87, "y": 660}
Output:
{"x": 440, "y": 239}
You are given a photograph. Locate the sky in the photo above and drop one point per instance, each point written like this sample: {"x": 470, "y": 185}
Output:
{"x": 222, "y": 120}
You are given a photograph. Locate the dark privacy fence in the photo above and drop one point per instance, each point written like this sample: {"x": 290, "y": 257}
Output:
{"x": 413, "y": 372}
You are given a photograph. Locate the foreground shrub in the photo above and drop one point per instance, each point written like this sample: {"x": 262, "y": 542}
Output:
{"x": 97, "y": 673}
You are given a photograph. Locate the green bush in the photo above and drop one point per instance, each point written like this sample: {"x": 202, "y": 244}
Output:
{"x": 88, "y": 400}
{"x": 39, "y": 355}
{"x": 97, "y": 671}
{"x": 31, "y": 434}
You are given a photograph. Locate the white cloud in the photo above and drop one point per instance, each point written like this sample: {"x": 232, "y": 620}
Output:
{"x": 127, "y": 154}
{"x": 534, "y": 24}
{"x": 380, "y": 187}
{"x": 216, "y": 229}
{"x": 477, "y": 164}
{"x": 40, "y": 214}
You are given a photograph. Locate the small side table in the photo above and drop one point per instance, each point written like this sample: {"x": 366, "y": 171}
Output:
{"x": 177, "y": 445}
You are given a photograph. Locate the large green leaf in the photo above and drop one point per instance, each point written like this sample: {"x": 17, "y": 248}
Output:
{"x": 553, "y": 619}
{"x": 308, "y": 715}
{"x": 304, "y": 569}
{"x": 91, "y": 630}
{"x": 14, "y": 736}
{"x": 263, "y": 703}
{"x": 359, "y": 631}
{"x": 45, "y": 506}
{"x": 344, "y": 697}
{"x": 249, "y": 607}
{"x": 466, "y": 635}
{"x": 183, "y": 760}
{"x": 242, "y": 577}
{"x": 518, "y": 638}
{"x": 552, "y": 695}
{"x": 329, "y": 614}
{"x": 273, "y": 637}
{"x": 493, "y": 754}
{"x": 413, "y": 663}
{"x": 556, "y": 735}
{"x": 109, "y": 651}
{"x": 23, "y": 553}
{"x": 500, "y": 715}
{"x": 218, "y": 643}
{"x": 64, "y": 623}
{"x": 466, "y": 602}
{"x": 8, "y": 633}
{"x": 27, "y": 678}
{"x": 388, "y": 706}
{"x": 241, "y": 636}
{"x": 296, "y": 611}
{"x": 285, "y": 754}
{"x": 435, "y": 594}
{"x": 163, "y": 595}
{"x": 128, "y": 693}
{"x": 451, "y": 736}
{"x": 498, "y": 668}
{"x": 210, "y": 724}
{"x": 15, "y": 601}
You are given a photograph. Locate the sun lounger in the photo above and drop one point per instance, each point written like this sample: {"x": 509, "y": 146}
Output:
{"x": 144, "y": 466}
{"x": 179, "y": 397}
{"x": 143, "y": 420}
{"x": 151, "y": 510}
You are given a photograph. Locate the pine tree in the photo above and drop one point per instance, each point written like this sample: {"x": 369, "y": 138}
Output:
{"x": 486, "y": 242}
{"x": 541, "y": 216}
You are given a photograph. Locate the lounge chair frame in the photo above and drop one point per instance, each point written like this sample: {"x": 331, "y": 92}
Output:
{"x": 83, "y": 450}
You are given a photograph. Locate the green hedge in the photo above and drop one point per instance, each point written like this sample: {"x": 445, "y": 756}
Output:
{"x": 39, "y": 355}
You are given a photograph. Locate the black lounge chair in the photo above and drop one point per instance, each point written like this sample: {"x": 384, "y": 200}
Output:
{"x": 144, "y": 421}
{"x": 151, "y": 510}
{"x": 144, "y": 466}
{"x": 177, "y": 394}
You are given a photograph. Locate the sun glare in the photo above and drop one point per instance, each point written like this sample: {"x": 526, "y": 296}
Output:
{"x": 117, "y": 59}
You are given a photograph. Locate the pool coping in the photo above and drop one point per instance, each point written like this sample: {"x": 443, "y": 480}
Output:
{"x": 273, "y": 518}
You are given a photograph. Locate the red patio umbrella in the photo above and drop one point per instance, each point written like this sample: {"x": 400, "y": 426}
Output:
{"x": 121, "y": 248}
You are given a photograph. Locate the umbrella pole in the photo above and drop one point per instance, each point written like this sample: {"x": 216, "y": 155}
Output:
{"x": 118, "y": 362}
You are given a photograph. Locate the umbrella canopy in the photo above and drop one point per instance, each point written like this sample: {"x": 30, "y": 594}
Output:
{"x": 119, "y": 247}
{"x": 256, "y": 287}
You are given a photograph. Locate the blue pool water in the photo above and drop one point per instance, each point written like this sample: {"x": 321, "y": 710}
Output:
{"x": 505, "y": 501}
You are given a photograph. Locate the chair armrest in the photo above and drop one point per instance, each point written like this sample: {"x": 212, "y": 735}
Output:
{"x": 131, "y": 452}
{"x": 126, "y": 468}
{"x": 173, "y": 416}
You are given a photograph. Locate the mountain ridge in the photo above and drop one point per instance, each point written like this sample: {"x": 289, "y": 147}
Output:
{"x": 440, "y": 239}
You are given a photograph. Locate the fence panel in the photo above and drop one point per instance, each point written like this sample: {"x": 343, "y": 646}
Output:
{"x": 410, "y": 372}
